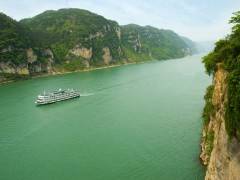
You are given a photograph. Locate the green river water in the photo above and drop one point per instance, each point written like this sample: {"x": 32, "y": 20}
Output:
{"x": 135, "y": 122}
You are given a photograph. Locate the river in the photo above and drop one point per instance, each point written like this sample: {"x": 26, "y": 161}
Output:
{"x": 132, "y": 122}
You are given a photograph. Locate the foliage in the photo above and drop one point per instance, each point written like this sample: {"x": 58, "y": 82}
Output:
{"x": 66, "y": 25}
{"x": 227, "y": 52}
{"x": 74, "y": 65}
{"x": 132, "y": 56}
{"x": 209, "y": 142}
{"x": 13, "y": 40}
{"x": 208, "y": 108}
{"x": 60, "y": 52}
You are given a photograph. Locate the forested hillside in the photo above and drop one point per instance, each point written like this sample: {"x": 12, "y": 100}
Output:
{"x": 151, "y": 43}
{"x": 75, "y": 39}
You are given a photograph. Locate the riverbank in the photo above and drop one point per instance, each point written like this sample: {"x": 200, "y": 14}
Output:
{"x": 56, "y": 72}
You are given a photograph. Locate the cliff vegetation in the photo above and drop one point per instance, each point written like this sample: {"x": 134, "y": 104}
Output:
{"x": 227, "y": 53}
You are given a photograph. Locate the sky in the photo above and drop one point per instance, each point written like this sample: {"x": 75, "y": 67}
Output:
{"x": 199, "y": 20}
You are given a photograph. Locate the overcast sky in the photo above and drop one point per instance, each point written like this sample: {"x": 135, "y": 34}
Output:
{"x": 200, "y": 20}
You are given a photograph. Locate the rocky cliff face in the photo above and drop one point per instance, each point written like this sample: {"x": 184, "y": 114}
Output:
{"x": 9, "y": 68}
{"x": 220, "y": 154}
{"x": 32, "y": 64}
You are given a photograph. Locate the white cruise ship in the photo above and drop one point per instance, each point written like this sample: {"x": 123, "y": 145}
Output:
{"x": 55, "y": 96}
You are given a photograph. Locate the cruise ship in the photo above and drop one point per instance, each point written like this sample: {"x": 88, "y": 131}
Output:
{"x": 55, "y": 96}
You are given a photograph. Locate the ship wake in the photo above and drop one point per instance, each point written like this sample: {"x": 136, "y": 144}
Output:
{"x": 86, "y": 94}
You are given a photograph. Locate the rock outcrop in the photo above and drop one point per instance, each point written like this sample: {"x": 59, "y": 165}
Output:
{"x": 10, "y": 68}
{"x": 223, "y": 158}
{"x": 31, "y": 56}
{"x": 107, "y": 58}
{"x": 82, "y": 52}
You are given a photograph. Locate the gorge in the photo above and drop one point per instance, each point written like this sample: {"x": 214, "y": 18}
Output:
{"x": 141, "y": 121}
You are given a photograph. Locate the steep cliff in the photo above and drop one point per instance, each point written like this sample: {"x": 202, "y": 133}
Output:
{"x": 221, "y": 138}
{"x": 219, "y": 153}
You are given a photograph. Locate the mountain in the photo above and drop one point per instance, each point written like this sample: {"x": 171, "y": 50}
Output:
{"x": 76, "y": 34}
{"x": 151, "y": 43}
{"x": 77, "y": 38}
{"x": 193, "y": 46}
{"x": 74, "y": 39}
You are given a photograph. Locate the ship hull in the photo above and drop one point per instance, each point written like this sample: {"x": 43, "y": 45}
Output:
{"x": 55, "y": 101}
{"x": 56, "y": 96}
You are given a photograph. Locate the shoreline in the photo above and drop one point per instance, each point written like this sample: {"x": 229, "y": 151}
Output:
{"x": 84, "y": 70}
{"x": 55, "y": 73}
{"x": 69, "y": 72}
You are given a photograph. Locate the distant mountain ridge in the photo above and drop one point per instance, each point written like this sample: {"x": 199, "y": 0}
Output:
{"x": 154, "y": 43}
{"x": 75, "y": 39}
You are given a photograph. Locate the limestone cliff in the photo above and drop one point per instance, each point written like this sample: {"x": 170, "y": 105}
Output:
{"x": 35, "y": 62}
{"x": 107, "y": 58}
{"x": 220, "y": 154}
{"x": 82, "y": 52}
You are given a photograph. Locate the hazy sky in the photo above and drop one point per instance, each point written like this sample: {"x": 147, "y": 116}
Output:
{"x": 200, "y": 20}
